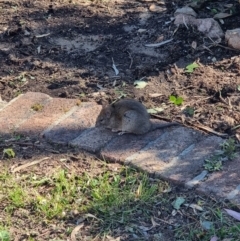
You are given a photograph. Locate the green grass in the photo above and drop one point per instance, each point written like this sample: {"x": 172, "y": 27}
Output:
{"x": 125, "y": 199}
{"x": 4, "y": 234}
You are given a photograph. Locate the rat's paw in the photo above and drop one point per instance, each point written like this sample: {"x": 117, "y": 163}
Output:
{"x": 121, "y": 133}
{"x": 115, "y": 130}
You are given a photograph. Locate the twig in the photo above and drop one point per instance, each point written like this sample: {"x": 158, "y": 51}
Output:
{"x": 159, "y": 44}
{"x": 63, "y": 164}
{"x": 184, "y": 21}
{"x": 130, "y": 56}
{"x": 42, "y": 35}
{"x": 161, "y": 220}
{"x": 221, "y": 98}
{"x": 229, "y": 102}
{"x": 235, "y": 127}
{"x": 219, "y": 45}
{"x": 206, "y": 128}
{"x": 28, "y": 164}
{"x": 185, "y": 88}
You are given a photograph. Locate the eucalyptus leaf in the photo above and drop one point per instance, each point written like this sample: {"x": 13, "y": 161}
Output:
{"x": 234, "y": 214}
{"x": 140, "y": 84}
{"x": 178, "y": 202}
{"x": 155, "y": 110}
{"x": 23, "y": 79}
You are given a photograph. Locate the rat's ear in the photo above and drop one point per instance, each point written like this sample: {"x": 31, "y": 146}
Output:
{"x": 108, "y": 113}
{"x": 103, "y": 102}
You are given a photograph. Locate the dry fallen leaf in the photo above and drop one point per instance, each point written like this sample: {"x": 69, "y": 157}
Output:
{"x": 75, "y": 231}
{"x": 214, "y": 238}
{"x": 39, "y": 49}
{"x": 194, "y": 44}
{"x": 154, "y": 223}
{"x": 194, "y": 206}
{"x": 155, "y": 95}
{"x": 232, "y": 213}
{"x": 115, "y": 68}
{"x": 139, "y": 84}
{"x": 221, "y": 15}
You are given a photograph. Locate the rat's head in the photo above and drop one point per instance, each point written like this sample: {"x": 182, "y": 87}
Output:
{"x": 103, "y": 118}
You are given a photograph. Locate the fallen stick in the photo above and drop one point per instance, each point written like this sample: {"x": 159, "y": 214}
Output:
{"x": 28, "y": 164}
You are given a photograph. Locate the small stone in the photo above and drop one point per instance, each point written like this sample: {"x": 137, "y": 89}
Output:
{"x": 196, "y": 179}
{"x": 208, "y": 26}
{"x": 141, "y": 30}
{"x": 186, "y": 10}
{"x": 232, "y": 37}
{"x": 156, "y": 9}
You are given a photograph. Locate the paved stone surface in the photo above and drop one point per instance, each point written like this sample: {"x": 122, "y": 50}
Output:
{"x": 189, "y": 163}
{"x": 51, "y": 112}
{"x": 19, "y": 110}
{"x": 160, "y": 155}
{"x": 176, "y": 153}
{"x": 178, "y": 157}
{"x": 126, "y": 145}
{"x": 73, "y": 123}
{"x": 225, "y": 183}
{"x": 94, "y": 139}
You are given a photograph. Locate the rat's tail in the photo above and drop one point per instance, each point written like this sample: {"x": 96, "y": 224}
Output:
{"x": 155, "y": 124}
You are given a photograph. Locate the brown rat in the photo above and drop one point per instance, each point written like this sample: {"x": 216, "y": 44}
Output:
{"x": 127, "y": 116}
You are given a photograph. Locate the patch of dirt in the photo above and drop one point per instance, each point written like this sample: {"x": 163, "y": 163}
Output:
{"x": 67, "y": 49}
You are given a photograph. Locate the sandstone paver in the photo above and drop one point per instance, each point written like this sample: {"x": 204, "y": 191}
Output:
{"x": 225, "y": 183}
{"x": 94, "y": 139}
{"x": 189, "y": 163}
{"x": 160, "y": 157}
{"x": 126, "y": 145}
{"x": 50, "y": 112}
{"x": 19, "y": 110}
{"x": 72, "y": 125}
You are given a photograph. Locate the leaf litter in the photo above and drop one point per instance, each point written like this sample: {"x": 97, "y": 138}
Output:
{"x": 54, "y": 69}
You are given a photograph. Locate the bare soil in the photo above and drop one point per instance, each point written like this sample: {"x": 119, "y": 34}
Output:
{"x": 67, "y": 48}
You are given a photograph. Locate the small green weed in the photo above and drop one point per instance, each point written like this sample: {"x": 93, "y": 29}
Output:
{"x": 4, "y": 234}
{"x": 176, "y": 100}
{"x": 228, "y": 152}
{"x": 120, "y": 93}
{"x": 229, "y": 149}
{"x": 190, "y": 68}
{"x": 17, "y": 196}
{"x": 9, "y": 153}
